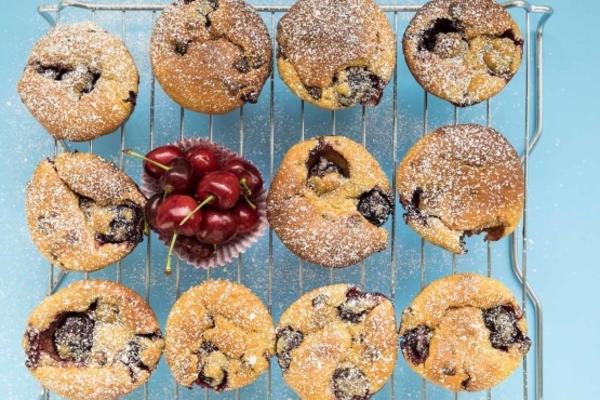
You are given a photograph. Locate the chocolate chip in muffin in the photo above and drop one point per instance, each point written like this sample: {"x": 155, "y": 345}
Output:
{"x": 375, "y": 206}
{"x": 415, "y": 344}
{"x": 350, "y": 383}
{"x": 323, "y": 160}
{"x": 287, "y": 340}
{"x": 502, "y": 321}
{"x": 357, "y": 305}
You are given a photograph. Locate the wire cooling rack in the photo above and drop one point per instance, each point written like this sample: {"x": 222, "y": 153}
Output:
{"x": 532, "y": 101}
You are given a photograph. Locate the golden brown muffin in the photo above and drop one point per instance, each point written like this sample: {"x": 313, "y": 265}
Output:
{"x": 83, "y": 212}
{"x": 80, "y": 82}
{"x": 94, "y": 340}
{"x": 220, "y": 336}
{"x": 211, "y": 56}
{"x": 328, "y": 202}
{"x": 464, "y": 51}
{"x": 459, "y": 181}
{"x": 464, "y": 332}
{"x": 337, "y": 343}
{"x": 336, "y": 54}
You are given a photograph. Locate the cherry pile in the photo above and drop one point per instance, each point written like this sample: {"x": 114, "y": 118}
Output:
{"x": 200, "y": 198}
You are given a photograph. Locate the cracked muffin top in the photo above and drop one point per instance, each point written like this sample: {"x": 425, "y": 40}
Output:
{"x": 464, "y": 332}
{"x": 211, "y": 56}
{"x": 94, "y": 340}
{"x": 329, "y": 200}
{"x": 83, "y": 212}
{"x": 461, "y": 180}
{"x": 80, "y": 82}
{"x": 337, "y": 343}
{"x": 219, "y": 336}
{"x": 464, "y": 51}
{"x": 336, "y": 54}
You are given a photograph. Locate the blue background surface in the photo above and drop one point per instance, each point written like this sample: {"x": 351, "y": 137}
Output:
{"x": 564, "y": 211}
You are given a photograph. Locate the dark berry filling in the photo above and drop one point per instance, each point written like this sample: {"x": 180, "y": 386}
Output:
{"x": 126, "y": 226}
{"x": 358, "y": 304}
{"x": 250, "y": 97}
{"x": 287, "y": 340}
{"x": 56, "y": 72}
{"x": 466, "y": 382}
{"x": 502, "y": 322}
{"x": 181, "y": 47}
{"x": 320, "y": 300}
{"x": 510, "y": 34}
{"x": 131, "y": 357}
{"x": 69, "y": 338}
{"x": 242, "y": 65}
{"x": 365, "y": 87}
{"x": 74, "y": 337}
{"x": 132, "y": 98}
{"x": 315, "y": 92}
{"x": 126, "y": 221}
{"x": 439, "y": 26}
{"x": 375, "y": 206}
{"x": 415, "y": 344}
{"x": 350, "y": 384}
{"x": 206, "y": 355}
{"x": 323, "y": 160}
{"x": 84, "y": 78}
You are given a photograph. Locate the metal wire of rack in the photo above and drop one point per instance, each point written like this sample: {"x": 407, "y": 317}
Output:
{"x": 518, "y": 246}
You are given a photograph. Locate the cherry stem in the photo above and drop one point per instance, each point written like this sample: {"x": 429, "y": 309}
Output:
{"x": 132, "y": 153}
{"x": 170, "y": 254}
{"x": 198, "y": 207}
{"x": 250, "y": 203}
{"x": 244, "y": 185}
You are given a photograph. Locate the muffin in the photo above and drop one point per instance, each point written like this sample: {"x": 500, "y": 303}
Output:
{"x": 211, "y": 56}
{"x": 329, "y": 200}
{"x": 80, "y": 82}
{"x": 92, "y": 340}
{"x": 464, "y": 51}
{"x": 464, "y": 332}
{"x": 83, "y": 212}
{"x": 336, "y": 54}
{"x": 337, "y": 343}
{"x": 459, "y": 181}
{"x": 219, "y": 336}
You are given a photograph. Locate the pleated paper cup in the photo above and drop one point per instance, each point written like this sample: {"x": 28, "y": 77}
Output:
{"x": 202, "y": 255}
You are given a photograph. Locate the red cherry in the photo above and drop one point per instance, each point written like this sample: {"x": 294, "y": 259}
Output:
{"x": 246, "y": 217}
{"x": 179, "y": 178}
{"x": 173, "y": 211}
{"x": 217, "y": 227}
{"x": 162, "y": 155}
{"x": 151, "y": 209}
{"x": 248, "y": 175}
{"x": 220, "y": 189}
{"x": 202, "y": 160}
